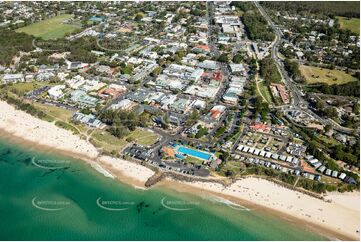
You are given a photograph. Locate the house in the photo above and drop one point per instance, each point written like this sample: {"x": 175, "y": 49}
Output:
{"x": 350, "y": 180}
{"x": 322, "y": 169}
{"x": 328, "y": 172}
{"x": 342, "y": 176}
{"x": 334, "y": 174}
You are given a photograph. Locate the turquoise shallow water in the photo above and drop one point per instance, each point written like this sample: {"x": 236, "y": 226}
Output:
{"x": 74, "y": 202}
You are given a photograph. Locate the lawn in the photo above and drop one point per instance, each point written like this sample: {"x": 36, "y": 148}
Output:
{"x": 320, "y": 75}
{"x": 107, "y": 141}
{"x": 328, "y": 140}
{"x": 265, "y": 92}
{"x": 352, "y": 24}
{"x": 66, "y": 126}
{"x": 232, "y": 166}
{"x": 143, "y": 137}
{"x": 21, "y": 88}
{"x": 52, "y": 28}
{"x": 194, "y": 160}
{"x": 57, "y": 112}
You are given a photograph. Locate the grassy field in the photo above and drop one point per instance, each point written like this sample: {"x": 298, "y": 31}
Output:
{"x": 320, "y": 75}
{"x": 232, "y": 166}
{"x": 106, "y": 141}
{"x": 52, "y": 28}
{"x": 193, "y": 160}
{"x": 143, "y": 137}
{"x": 265, "y": 92}
{"x": 22, "y": 88}
{"x": 352, "y": 24}
{"x": 109, "y": 143}
{"x": 60, "y": 113}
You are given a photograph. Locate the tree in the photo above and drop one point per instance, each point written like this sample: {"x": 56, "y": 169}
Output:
{"x": 328, "y": 127}
{"x": 269, "y": 71}
{"x": 138, "y": 16}
{"x": 293, "y": 70}
{"x": 228, "y": 173}
{"x": 237, "y": 58}
{"x": 257, "y": 27}
{"x": 223, "y": 58}
{"x": 119, "y": 131}
{"x": 192, "y": 118}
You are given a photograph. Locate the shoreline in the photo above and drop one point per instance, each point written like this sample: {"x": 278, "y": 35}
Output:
{"x": 308, "y": 225}
{"x": 24, "y": 129}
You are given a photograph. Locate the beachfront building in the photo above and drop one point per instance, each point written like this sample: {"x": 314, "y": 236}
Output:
{"x": 56, "y": 92}
{"x": 88, "y": 119}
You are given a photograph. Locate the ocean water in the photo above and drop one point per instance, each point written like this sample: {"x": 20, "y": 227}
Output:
{"x": 45, "y": 196}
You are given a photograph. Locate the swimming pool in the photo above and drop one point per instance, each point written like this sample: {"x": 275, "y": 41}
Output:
{"x": 195, "y": 153}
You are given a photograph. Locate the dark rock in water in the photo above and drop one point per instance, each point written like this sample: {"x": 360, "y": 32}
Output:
{"x": 141, "y": 205}
{"x": 158, "y": 210}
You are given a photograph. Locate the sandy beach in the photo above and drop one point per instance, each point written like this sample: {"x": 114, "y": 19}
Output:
{"x": 24, "y": 126}
{"x": 341, "y": 215}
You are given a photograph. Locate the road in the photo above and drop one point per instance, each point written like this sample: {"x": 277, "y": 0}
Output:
{"x": 297, "y": 100}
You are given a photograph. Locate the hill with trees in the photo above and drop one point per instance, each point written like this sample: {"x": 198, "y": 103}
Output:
{"x": 11, "y": 43}
{"x": 340, "y": 8}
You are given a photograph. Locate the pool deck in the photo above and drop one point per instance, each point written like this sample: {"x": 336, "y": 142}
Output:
{"x": 202, "y": 155}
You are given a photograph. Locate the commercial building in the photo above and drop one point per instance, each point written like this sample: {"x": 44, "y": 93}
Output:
{"x": 13, "y": 78}
{"x": 56, "y": 92}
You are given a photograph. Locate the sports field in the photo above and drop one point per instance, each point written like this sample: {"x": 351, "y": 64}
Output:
{"x": 352, "y": 24}
{"x": 52, "y": 28}
{"x": 320, "y": 75}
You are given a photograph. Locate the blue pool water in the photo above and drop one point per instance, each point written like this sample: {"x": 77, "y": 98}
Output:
{"x": 195, "y": 153}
